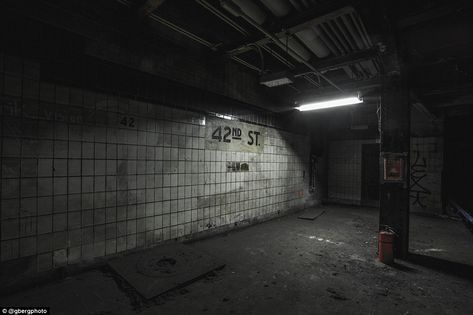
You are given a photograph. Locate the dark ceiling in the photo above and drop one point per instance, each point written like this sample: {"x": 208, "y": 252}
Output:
{"x": 339, "y": 44}
{"x": 433, "y": 39}
{"x": 236, "y": 38}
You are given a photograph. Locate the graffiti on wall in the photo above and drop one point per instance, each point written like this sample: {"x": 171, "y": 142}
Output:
{"x": 417, "y": 190}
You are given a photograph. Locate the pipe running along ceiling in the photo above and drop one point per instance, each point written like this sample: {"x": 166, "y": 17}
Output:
{"x": 334, "y": 35}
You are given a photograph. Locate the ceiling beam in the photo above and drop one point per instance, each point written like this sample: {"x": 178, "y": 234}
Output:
{"x": 339, "y": 61}
{"x": 148, "y": 7}
{"x": 171, "y": 25}
{"x": 289, "y": 31}
{"x": 327, "y": 64}
{"x": 290, "y": 22}
{"x": 348, "y": 87}
{"x": 322, "y": 8}
{"x": 294, "y": 54}
{"x": 328, "y": 92}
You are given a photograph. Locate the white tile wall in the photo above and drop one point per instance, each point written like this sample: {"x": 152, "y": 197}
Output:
{"x": 85, "y": 174}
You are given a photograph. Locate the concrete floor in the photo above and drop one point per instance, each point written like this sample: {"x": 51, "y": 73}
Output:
{"x": 292, "y": 266}
{"x": 434, "y": 237}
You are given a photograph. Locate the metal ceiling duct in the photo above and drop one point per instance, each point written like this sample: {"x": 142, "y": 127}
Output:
{"x": 279, "y": 8}
{"x": 343, "y": 32}
{"x": 250, "y": 9}
{"x": 313, "y": 42}
{"x": 330, "y": 46}
{"x": 237, "y": 11}
{"x": 338, "y": 33}
{"x": 293, "y": 44}
{"x": 345, "y": 28}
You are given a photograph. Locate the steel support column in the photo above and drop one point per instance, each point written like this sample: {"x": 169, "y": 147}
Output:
{"x": 395, "y": 142}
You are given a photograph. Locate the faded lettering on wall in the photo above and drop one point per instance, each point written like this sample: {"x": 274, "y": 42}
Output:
{"x": 227, "y": 135}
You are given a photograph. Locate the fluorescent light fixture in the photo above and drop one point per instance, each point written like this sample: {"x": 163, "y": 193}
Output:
{"x": 329, "y": 104}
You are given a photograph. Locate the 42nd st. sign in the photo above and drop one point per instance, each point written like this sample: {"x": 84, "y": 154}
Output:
{"x": 230, "y": 135}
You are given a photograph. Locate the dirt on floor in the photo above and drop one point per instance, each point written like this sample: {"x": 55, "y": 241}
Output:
{"x": 444, "y": 238}
{"x": 294, "y": 266}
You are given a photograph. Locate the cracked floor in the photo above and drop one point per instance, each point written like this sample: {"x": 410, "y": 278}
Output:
{"x": 293, "y": 266}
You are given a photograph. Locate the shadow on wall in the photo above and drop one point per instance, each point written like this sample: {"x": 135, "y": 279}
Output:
{"x": 298, "y": 147}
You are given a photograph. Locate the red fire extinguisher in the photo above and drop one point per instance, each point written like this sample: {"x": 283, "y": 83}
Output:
{"x": 386, "y": 245}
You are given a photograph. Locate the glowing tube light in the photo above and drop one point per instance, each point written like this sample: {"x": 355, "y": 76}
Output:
{"x": 329, "y": 104}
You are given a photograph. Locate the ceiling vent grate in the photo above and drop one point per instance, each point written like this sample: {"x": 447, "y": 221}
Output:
{"x": 341, "y": 32}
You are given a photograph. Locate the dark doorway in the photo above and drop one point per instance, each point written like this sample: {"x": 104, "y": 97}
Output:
{"x": 458, "y": 164}
{"x": 370, "y": 175}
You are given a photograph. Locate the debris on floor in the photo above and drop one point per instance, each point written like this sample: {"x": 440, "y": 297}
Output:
{"x": 285, "y": 267}
{"x": 311, "y": 215}
{"x": 334, "y": 294}
{"x": 163, "y": 268}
